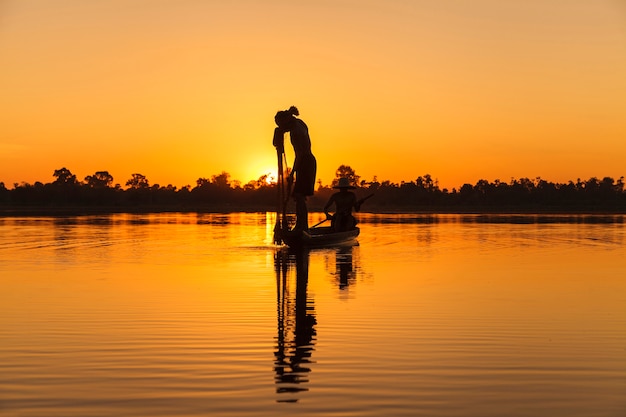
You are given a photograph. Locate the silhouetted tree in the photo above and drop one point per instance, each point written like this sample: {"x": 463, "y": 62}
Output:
{"x": 64, "y": 176}
{"x": 259, "y": 183}
{"x": 64, "y": 190}
{"x": 138, "y": 181}
{"x": 222, "y": 180}
{"x": 4, "y": 193}
{"x": 219, "y": 192}
{"x": 202, "y": 182}
{"x": 427, "y": 183}
{"x": 347, "y": 172}
{"x": 101, "y": 179}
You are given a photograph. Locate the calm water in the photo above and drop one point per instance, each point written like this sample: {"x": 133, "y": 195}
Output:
{"x": 200, "y": 315}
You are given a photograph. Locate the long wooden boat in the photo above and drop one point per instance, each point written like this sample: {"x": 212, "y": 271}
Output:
{"x": 319, "y": 237}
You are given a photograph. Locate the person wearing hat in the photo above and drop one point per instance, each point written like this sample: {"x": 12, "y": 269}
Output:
{"x": 344, "y": 201}
{"x": 304, "y": 164}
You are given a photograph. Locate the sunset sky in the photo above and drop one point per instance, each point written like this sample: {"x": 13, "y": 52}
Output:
{"x": 182, "y": 89}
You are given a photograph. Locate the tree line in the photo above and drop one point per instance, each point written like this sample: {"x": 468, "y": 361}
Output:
{"x": 220, "y": 193}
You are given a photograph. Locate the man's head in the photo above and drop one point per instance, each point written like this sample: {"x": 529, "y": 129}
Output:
{"x": 285, "y": 118}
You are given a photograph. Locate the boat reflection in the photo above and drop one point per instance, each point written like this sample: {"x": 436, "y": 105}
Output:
{"x": 295, "y": 341}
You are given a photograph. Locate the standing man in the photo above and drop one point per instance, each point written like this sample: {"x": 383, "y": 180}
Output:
{"x": 304, "y": 165}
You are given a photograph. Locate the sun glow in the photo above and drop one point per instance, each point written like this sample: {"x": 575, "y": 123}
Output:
{"x": 271, "y": 176}
{"x": 539, "y": 92}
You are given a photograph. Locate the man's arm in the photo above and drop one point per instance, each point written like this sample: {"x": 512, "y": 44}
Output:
{"x": 279, "y": 140}
{"x": 331, "y": 200}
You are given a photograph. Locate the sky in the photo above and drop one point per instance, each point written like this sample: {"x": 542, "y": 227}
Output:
{"x": 178, "y": 90}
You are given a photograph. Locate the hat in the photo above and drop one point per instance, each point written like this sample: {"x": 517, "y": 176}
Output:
{"x": 344, "y": 183}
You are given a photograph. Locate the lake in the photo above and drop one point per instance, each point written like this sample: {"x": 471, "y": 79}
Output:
{"x": 181, "y": 314}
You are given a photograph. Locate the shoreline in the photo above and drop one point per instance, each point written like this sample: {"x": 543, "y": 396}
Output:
{"x": 65, "y": 211}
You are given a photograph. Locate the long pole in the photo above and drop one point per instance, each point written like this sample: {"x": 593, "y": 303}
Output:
{"x": 286, "y": 192}
{"x": 280, "y": 185}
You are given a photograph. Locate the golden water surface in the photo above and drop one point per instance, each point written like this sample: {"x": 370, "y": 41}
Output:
{"x": 201, "y": 315}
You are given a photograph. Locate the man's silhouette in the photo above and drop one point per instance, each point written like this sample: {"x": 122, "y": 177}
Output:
{"x": 304, "y": 165}
{"x": 344, "y": 202}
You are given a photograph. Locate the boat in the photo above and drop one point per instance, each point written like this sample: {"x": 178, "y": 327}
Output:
{"x": 317, "y": 237}
{"x": 314, "y": 237}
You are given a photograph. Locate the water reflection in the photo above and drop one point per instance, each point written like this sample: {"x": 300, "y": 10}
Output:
{"x": 108, "y": 316}
{"x": 342, "y": 264}
{"x": 486, "y": 218}
{"x": 213, "y": 218}
{"x": 295, "y": 341}
{"x": 344, "y": 267}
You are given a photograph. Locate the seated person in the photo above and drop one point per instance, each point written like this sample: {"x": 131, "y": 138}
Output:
{"x": 344, "y": 202}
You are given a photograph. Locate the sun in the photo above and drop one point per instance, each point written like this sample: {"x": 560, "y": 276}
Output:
{"x": 271, "y": 177}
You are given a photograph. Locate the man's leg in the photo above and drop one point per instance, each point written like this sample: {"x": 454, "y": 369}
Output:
{"x": 302, "y": 213}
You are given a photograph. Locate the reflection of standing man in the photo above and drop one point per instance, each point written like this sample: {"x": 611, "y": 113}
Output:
{"x": 304, "y": 165}
{"x": 296, "y": 325}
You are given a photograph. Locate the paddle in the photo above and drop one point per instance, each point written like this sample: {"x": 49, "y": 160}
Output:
{"x": 282, "y": 223}
{"x": 315, "y": 225}
{"x": 278, "y": 142}
{"x": 361, "y": 201}
{"x": 286, "y": 194}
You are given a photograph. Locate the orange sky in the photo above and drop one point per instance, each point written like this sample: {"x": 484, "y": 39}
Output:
{"x": 177, "y": 90}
